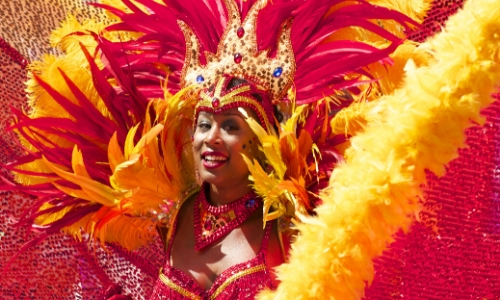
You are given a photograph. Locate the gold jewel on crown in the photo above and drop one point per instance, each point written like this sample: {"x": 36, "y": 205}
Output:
{"x": 238, "y": 56}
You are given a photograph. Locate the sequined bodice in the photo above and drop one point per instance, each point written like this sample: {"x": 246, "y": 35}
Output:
{"x": 241, "y": 281}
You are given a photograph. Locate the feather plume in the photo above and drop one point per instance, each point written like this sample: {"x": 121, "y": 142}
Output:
{"x": 375, "y": 192}
{"x": 136, "y": 156}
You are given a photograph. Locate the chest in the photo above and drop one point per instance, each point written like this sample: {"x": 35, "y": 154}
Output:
{"x": 239, "y": 246}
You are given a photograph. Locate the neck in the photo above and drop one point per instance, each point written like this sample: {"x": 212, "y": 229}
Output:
{"x": 224, "y": 195}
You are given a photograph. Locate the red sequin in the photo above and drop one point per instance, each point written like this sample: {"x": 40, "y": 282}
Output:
{"x": 237, "y": 58}
{"x": 215, "y": 102}
{"x": 13, "y": 53}
{"x": 240, "y": 32}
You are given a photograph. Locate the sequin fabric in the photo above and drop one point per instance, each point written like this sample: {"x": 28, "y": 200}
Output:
{"x": 453, "y": 253}
{"x": 26, "y": 25}
{"x": 60, "y": 267}
{"x": 241, "y": 281}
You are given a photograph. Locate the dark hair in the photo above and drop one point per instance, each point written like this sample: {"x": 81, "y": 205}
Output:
{"x": 278, "y": 115}
{"x": 235, "y": 82}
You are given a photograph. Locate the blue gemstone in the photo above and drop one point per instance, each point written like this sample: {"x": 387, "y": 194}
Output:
{"x": 250, "y": 203}
{"x": 278, "y": 71}
{"x": 200, "y": 79}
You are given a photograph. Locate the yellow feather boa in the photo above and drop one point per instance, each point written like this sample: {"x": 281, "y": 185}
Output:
{"x": 374, "y": 194}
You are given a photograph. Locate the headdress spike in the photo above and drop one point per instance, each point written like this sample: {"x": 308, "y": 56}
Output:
{"x": 238, "y": 55}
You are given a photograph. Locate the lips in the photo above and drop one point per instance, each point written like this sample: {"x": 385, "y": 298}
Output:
{"x": 213, "y": 159}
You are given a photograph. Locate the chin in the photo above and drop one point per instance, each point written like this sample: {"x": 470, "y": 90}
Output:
{"x": 210, "y": 177}
{"x": 225, "y": 180}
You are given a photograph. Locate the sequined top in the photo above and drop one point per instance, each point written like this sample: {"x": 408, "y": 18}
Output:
{"x": 241, "y": 281}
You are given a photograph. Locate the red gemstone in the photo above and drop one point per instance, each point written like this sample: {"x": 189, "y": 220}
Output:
{"x": 215, "y": 102}
{"x": 208, "y": 225}
{"x": 240, "y": 32}
{"x": 237, "y": 58}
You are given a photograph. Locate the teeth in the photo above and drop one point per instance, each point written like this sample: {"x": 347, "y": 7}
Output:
{"x": 216, "y": 158}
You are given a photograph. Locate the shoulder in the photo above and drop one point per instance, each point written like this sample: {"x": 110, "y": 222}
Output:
{"x": 180, "y": 215}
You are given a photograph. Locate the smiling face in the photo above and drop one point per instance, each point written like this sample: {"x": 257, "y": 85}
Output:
{"x": 218, "y": 142}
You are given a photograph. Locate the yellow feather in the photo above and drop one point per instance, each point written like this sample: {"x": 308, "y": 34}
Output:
{"x": 415, "y": 9}
{"x": 62, "y": 37}
{"x": 269, "y": 145}
{"x": 147, "y": 138}
{"x": 78, "y": 164}
{"x": 129, "y": 141}
{"x": 49, "y": 218}
{"x": 130, "y": 232}
{"x": 391, "y": 76}
{"x": 74, "y": 63}
{"x": 266, "y": 186}
{"x": 115, "y": 154}
{"x": 99, "y": 192}
{"x": 281, "y": 187}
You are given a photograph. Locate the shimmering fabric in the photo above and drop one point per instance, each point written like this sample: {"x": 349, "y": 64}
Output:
{"x": 453, "y": 253}
{"x": 241, "y": 281}
{"x": 26, "y": 25}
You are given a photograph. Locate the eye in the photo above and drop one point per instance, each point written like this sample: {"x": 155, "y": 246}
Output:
{"x": 203, "y": 126}
{"x": 230, "y": 126}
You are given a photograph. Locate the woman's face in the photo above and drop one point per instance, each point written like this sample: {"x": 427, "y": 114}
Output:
{"x": 218, "y": 142}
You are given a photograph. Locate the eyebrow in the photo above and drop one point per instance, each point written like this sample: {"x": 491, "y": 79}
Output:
{"x": 233, "y": 114}
{"x": 229, "y": 113}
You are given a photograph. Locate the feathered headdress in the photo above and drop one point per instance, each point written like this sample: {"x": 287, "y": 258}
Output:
{"x": 108, "y": 137}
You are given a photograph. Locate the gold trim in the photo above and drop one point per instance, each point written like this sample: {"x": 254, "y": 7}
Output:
{"x": 218, "y": 88}
{"x": 235, "y": 277}
{"x": 237, "y": 91}
{"x": 177, "y": 288}
{"x": 227, "y": 97}
{"x": 206, "y": 98}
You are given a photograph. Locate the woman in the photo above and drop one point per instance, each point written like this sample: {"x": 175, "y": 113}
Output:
{"x": 131, "y": 166}
{"x": 227, "y": 253}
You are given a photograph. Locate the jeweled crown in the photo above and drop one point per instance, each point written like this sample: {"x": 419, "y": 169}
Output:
{"x": 218, "y": 99}
{"x": 238, "y": 55}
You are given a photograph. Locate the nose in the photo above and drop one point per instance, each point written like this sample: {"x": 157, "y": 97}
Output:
{"x": 213, "y": 136}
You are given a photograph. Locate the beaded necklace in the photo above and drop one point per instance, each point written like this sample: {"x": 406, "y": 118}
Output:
{"x": 213, "y": 222}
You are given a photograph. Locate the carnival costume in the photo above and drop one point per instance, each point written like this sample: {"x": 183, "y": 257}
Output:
{"x": 118, "y": 162}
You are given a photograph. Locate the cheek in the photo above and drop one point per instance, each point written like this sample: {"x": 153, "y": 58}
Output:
{"x": 197, "y": 145}
{"x": 197, "y": 140}
{"x": 252, "y": 144}
{"x": 247, "y": 146}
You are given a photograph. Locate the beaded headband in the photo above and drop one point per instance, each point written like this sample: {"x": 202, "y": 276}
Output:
{"x": 238, "y": 56}
{"x": 218, "y": 99}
